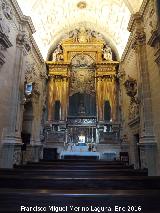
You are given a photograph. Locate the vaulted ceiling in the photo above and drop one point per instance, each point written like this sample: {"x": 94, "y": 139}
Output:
{"x": 53, "y": 18}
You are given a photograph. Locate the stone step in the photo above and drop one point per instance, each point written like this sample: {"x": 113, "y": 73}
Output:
{"x": 75, "y": 173}
{"x": 47, "y": 182}
{"x": 146, "y": 201}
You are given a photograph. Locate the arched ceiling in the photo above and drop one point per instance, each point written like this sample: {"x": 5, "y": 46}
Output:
{"x": 53, "y": 18}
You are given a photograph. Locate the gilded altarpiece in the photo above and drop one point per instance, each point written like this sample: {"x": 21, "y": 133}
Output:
{"x": 81, "y": 66}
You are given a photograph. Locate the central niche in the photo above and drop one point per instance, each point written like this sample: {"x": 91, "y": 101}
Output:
{"x": 82, "y": 100}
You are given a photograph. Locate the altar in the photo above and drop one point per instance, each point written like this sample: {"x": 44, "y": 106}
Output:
{"x": 78, "y": 153}
{"x": 81, "y": 149}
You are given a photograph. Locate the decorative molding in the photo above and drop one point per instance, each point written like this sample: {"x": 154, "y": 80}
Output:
{"x": 155, "y": 38}
{"x": 7, "y": 10}
{"x": 127, "y": 48}
{"x": 4, "y": 41}
{"x": 36, "y": 49}
{"x": 157, "y": 55}
{"x": 131, "y": 90}
{"x": 139, "y": 39}
{"x": 4, "y": 44}
{"x": 131, "y": 87}
{"x": 28, "y": 21}
{"x": 22, "y": 39}
{"x": 22, "y": 17}
{"x": 154, "y": 41}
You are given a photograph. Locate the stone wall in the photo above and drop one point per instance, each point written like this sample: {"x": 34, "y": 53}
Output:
{"x": 143, "y": 67}
{"x": 20, "y": 62}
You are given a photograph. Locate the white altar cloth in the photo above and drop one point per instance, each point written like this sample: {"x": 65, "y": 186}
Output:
{"x": 68, "y": 153}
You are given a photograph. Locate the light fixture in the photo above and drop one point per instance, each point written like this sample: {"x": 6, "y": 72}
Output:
{"x": 82, "y": 5}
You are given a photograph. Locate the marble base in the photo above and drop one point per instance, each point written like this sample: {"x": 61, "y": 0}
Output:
{"x": 33, "y": 153}
{"x": 148, "y": 153}
{"x": 10, "y": 152}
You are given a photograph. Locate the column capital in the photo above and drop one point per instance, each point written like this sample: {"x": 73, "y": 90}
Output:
{"x": 139, "y": 39}
{"x": 23, "y": 40}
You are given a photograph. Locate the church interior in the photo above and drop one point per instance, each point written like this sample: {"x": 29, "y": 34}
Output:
{"x": 79, "y": 105}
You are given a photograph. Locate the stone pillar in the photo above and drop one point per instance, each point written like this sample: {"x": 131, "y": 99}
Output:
{"x": 11, "y": 141}
{"x": 147, "y": 141}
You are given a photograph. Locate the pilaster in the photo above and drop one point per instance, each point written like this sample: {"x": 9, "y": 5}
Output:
{"x": 11, "y": 140}
{"x": 147, "y": 141}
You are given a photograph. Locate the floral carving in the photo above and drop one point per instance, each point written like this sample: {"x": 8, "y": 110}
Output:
{"x": 139, "y": 39}
{"x": 131, "y": 87}
{"x": 22, "y": 39}
{"x": 131, "y": 90}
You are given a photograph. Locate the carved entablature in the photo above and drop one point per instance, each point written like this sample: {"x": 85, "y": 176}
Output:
{"x": 106, "y": 71}
{"x": 58, "y": 70}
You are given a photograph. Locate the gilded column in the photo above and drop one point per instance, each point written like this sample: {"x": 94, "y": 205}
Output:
{"x": 50, "y": 98}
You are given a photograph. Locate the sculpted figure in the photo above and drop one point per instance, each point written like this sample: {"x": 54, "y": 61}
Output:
{"x": 107, "y": 53}
{"x": 83, "y": 35}
{"x": 74, "y": 35}
{"x": 57, "y": 54}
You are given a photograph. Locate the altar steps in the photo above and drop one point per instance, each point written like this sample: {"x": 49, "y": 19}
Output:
{"x": 90, "y": 200}
{"x": 67, "y": 173}
{"x": 75, "y": 183}
{"x": 81, "y": 183}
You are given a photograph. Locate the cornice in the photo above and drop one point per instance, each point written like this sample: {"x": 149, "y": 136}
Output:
{"x": 36, "y": 48}
{"x": 128, "y": 45}
{"x": 137, "y": 15}
{"x": 143, "y": 7}
{"x": 22, "y": 17}
{"x": 28, "y": 21}
{"x": 131, "y": 27}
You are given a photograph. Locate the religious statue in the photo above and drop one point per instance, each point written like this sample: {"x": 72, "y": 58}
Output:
{"x": 74, "y": 34}
{"x": 83, "y": 35}
{"x": 81, "y": 110}
{"x": 57, "y": 54}
{"x": 107, "y": 53}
